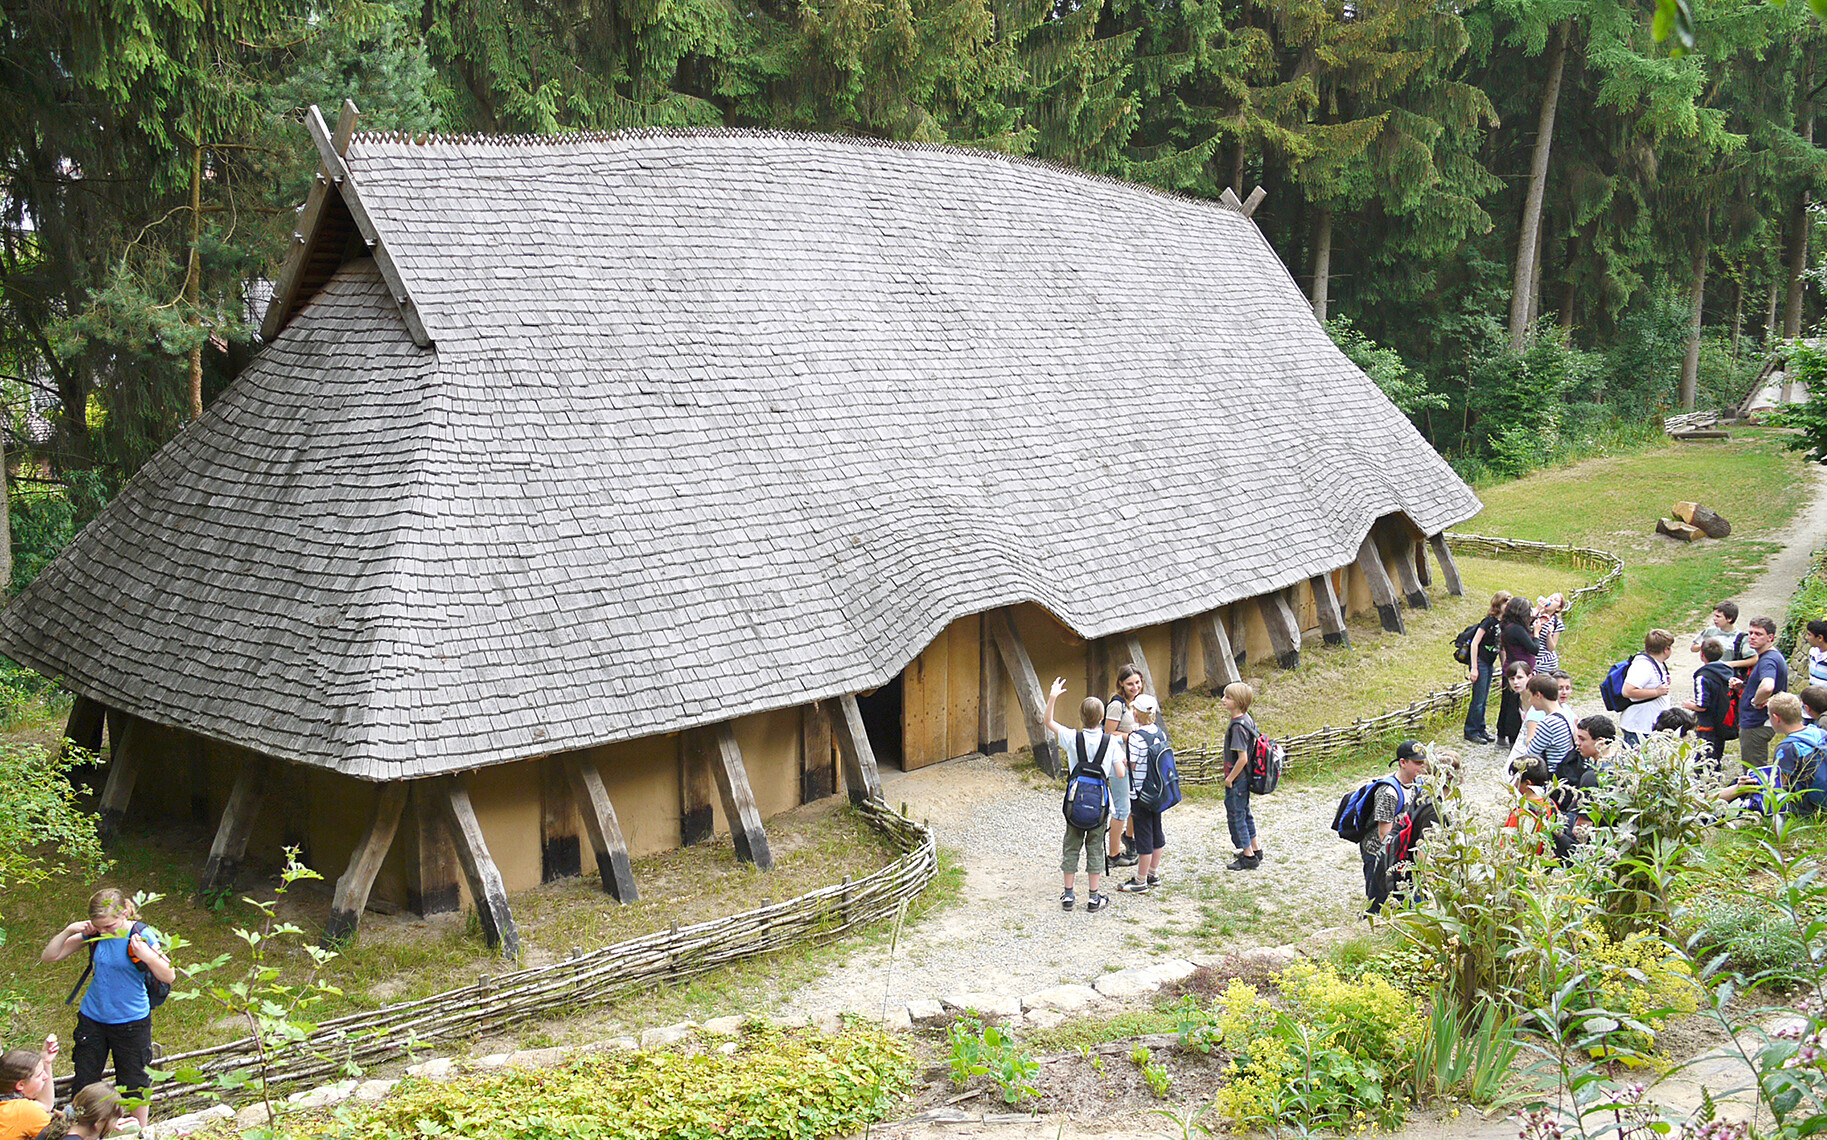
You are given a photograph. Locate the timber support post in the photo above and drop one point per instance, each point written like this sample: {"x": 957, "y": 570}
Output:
{"x": 992, "y": 713}
{"x": 603, "y": 828}
{"x": 861, "y": 776}
{"x": 431, "y": 859}
{"x": 1449, "y": 569}
{"x": 1370, "y": 561}
{"x": 1405, "y": 550}
{"x": 1179, "y": 649}
{"x": 84, "y": 728}
{"x": 485, "y": 885}
{"x": 1027, "y": 687}
{"x": 123, "y": 770}
{"x": 697, "y": 820}
{"x": 1331, "y": 614}
{"x": 1240, "y": 636}
{"x": 1132, "y": 647}
{"x": 357, "y": 880}
{"x": 1215, "y": 644}
{"x": 238, "y": 815}
{"x": 746, "y": 831}
{"x": 1284, "y": 628}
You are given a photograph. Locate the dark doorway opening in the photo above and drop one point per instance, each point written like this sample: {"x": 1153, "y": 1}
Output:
{"x": 882, "y": 721}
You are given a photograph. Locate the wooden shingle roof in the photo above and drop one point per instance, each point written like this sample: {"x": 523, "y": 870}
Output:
{"x": 708, "y": 425}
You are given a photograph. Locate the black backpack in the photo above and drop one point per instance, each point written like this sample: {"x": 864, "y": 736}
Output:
{"x": 156, "y": 991}
{"x": 1462, "y": 645}
{"x": 1087, "y": 802}
{"x": 1160, "y": 788}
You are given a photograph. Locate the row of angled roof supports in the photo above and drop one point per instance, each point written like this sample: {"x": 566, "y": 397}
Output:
{"x": 450, "y": 837}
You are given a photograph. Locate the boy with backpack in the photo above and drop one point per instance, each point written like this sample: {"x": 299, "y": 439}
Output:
{"x": 1096, "y": 758}
{"x": 1646, "y": 687}
{"x": 1798, "y": 757}
{"x": 1239, "y": 749}
{"x": 1724, "y": 628}
{"x": 1715, "y": 712}
{"x": 25, "y": 1090}
{"x": 1157, "y": 788}
{"x": 1390, "y": 797}
{"x": 116, "y": 1013}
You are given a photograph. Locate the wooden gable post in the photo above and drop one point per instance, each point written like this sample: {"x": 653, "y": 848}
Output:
{"x": 603, "y": 828}
{"x": 817, "y": 756}
{"x": 992, "y": 713}
{"x": 1421, "y": 568}
{"x": 484, "y": 878}
{"x": 696, "y": 819}
{"x": 1132, "y": 646}
{"x": 1027, "y": 687}
{"x": 1370, "y": 561}
{"x": 1402, "y": 549}
{"x": 238, "y": 815}
{"x": 123, "y": 771}
{"x": 431, "y": 858}
{"x": 739, "y": 808}
{"x": 1100, "y": 669}
{"x": 1240, "y": 635}
{"x": 1449, "y": 569}
{"x": 84, "y": 728}
{"x": 1215, "y": 644}
{"x": 861, "y": 778}
{"x": 1284, "y": 628}
{"x": 357, "y": 880}
{"x": 1179, "y": 649}
{"x": 1331, "y": 614}
{"x": 560, "y": 854}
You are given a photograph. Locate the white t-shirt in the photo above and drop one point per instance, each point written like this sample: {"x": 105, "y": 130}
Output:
{"x": 1113, "y": 755}
{"x": 1645, "y": 672}
{"x": 1521, "y": 744}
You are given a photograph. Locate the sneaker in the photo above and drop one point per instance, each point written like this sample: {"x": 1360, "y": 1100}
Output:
{"x": 1241, "y": 863}
{"x": 1154, "y": 881}
{"x": 1096, "y": 903}
{"x": 1129, "y": 846}
{"x": 1123, "y": 860}
{"x": 1253, "y": 862}
{"x": 1134, "y": 887}
{"x": 1067, "y": 900}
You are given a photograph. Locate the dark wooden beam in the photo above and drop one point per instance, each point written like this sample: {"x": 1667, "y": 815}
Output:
{"x": 861, "y": 778}
{"x": 357, "y": 880}
{"x": 1284, "y": 628}
{"x": 1015, "y": 659}
{"x": 84, "y": 728}
{"x": 817, "y": 758}
{"x": 1240, "y": 635}
{"x": 697, "y": 821}
{"x": 1100, "y": 668}
{"x": 484, "y": 878}
{"x": 739, "y": 806}
{"x": 1382, "y": 593}
{"x": 1133, "y": 655}
{"x": 560, "y": 852}
{"x": 1402, "y": 554}
{"x": 1179, "y": 649}
{"x": 1449, "y": 569}
{"x": 1215, "y": 645}
{"x": 603, "y": 828}
{"x": 431, "y": 861}
{"x": 304, "y": 239}
{"x": 1422, "y": 570}
{"x": 123, "y": 770}
{"x": 1331, "y": 613}
{"x": 238, "y": 815}
{"x": 992, "y": 713}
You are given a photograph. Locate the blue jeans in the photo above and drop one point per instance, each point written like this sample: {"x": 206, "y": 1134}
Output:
{"x": 1237, "y": 814}
{"x": 1481, "y": 696}
{"x": 1376, "y": 883}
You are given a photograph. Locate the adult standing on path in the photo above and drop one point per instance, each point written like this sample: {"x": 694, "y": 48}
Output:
{"x": 1768, "y": 677}
{"x": 1482, "y": 668}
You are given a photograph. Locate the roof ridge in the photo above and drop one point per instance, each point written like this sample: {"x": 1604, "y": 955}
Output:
{"x": 435, "y": 138}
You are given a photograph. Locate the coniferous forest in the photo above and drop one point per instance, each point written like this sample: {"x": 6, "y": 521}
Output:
{"x": 1533, "y": 224}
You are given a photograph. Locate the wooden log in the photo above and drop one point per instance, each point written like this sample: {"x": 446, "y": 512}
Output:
{"x": 817, "y": 757}
{"x": 560, "y": 852}
{"x": 697, "y": 819}
{"x": 1402, "y": 557}
{"x": 1132, "y": 652}
{"x": 485, "y": 885}
{"x": 1693, "y": 436}
{"x": 1331, "y": 614}
{"x": 1284, "y": 628}
{"x": 357, "y": 880}
{"x": 1240, "y": 635}
{"x": 739, "y": 808}
{"x": 238, "y": 815}
{"x": 1215, "y": 644}
{"x": 1710, "y": 523}
{"x": 1100, "y": 668}
{"x": 603, "y": 828}
{"x": 1449, "y": 569}
{"x": 431, "y": 858}
{"x": 861, "y": 777}
{"x": 84, "y": 728}
{"x": 1001, "y": 625}
{"x": 1179, "y": 649}
{"x": 1677, "y": 529}
{"x": 1382, "y": 593}
{"x": 992, "y": 713}
{"x": 123, "y": 770}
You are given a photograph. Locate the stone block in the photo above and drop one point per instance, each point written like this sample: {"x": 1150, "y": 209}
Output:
{"x": 999, "y": 1006}
{"x": 253, "y": 1116}
{"x": 435, "y": 1069}
{"x": 374, "y": 1090}
{"x": 897, "y": 1020}
{"x": 924, "y": 1011}
{"x": 1067, "y": 999}
{"x": 1044, "y": 1018}
{"x": 538, "y": 1058}
{"x": 492, "y": 1061}
{"x": 667, "y": 1035}
{"x": 730, "y": 1026}
{"x": 1127, "y": 985}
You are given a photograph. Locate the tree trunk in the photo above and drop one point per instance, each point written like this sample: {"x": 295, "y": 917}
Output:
{"x": 1690, "y": 364}
{"x": 1237, "y": 167}
{"x": 193, "y": 279}
{"x": 1528, "y": 239}
{"x": 1770, "y": 318}
{"x": 1798, "y": 218}
{"x": 1322, "y": 260}
{"x": 1535, "y": 274}
{"x": 1738, "y": 316}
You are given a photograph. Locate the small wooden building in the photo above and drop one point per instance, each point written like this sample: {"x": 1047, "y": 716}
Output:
{"x": 604, "y": 492}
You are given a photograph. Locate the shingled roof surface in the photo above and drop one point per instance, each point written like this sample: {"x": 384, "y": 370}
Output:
{"x": 710, "y": 425}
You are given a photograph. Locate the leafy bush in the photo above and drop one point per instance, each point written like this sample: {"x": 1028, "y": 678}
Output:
{"x": 45, "y": 519}
{"x": 978, "y": 1051}
{"x": 39, "y": 818}
{"x": 1406, "y": 388}
{"x": 1749, "y": 937}
{"x": 1808, "y": 365}
{"x": 1649, "y": 816}
{"x": 775, "y": 1084}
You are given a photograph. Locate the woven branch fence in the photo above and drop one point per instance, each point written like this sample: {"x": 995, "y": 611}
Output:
{"x": 1204, "y": 764}
{"x": 493, "y": 1004}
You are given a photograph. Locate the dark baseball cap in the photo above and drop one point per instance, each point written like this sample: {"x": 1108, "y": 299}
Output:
{"x": 1410, "y": 750}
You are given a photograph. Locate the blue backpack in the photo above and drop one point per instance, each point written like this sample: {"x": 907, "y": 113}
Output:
{"x": 1355, "y": 817}
{"x": 1087, "y": 802}
{"x": 1611, "y": 689}
{"x": 1160, "y": 788}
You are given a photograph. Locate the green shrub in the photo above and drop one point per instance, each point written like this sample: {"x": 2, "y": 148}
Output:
{"x": 1808, "y": 365}
{"x": 1649, "y": 817}
{"x": 1753, "y": 937}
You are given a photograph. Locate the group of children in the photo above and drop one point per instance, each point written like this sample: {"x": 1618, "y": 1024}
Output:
{"x": 1112, "y": 753}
